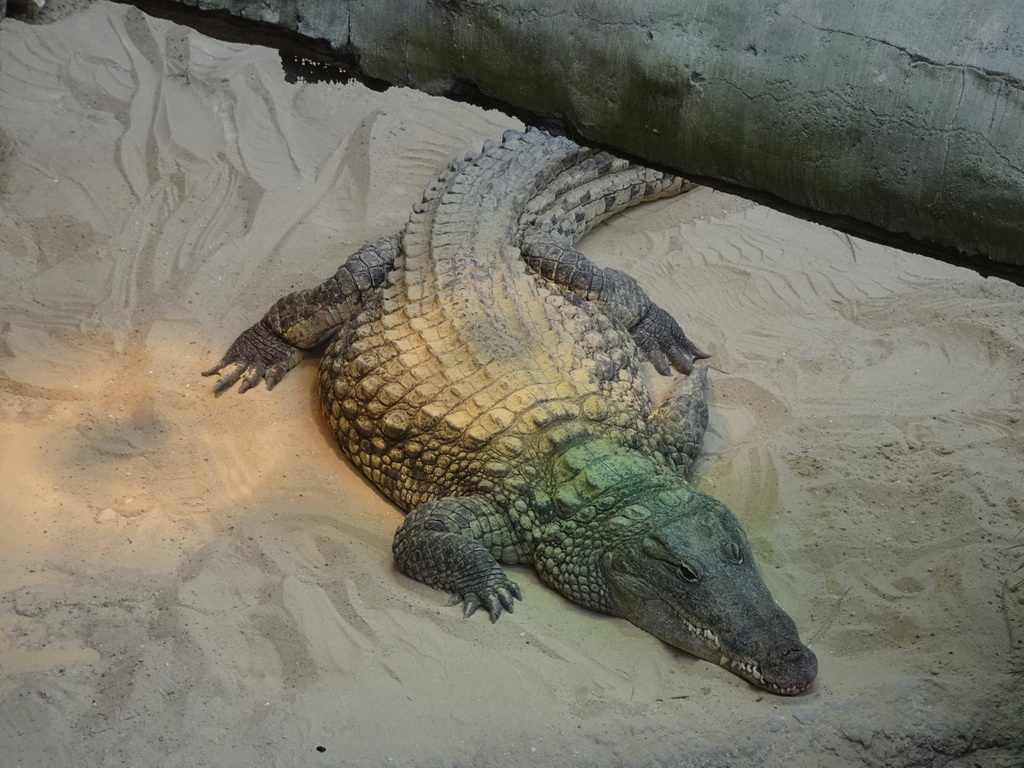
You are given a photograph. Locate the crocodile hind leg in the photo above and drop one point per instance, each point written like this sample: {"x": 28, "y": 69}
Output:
{"x": 654, "y": 330}
{"x": 298, "y": 321}
{"x": 594, "y": 186}
{"x": 448, "y": 544}
{"x": 681, "y": 419}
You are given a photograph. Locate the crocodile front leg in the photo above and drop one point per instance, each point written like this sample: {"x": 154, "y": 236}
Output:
{"x": 447, "y": 544}
{"x": 681, "y": 419}
{"x": 653, "y": 329}
{"x": 296, "y": 322}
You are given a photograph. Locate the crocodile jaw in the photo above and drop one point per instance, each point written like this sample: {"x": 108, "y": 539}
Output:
{"x": 783, "y": 666}
{"x": 787, "y": 669}
{"x": 687, "y": 576}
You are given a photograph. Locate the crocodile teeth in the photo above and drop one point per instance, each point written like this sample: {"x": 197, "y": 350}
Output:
{"x": 753, "y": 672}
{"x": 706, "y": 634}
{"x": 747, "y": 669}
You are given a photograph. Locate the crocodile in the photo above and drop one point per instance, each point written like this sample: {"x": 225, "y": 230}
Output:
{"x": 489, "y": 379}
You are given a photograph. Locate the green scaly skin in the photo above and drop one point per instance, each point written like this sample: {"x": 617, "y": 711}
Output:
{"x": 487, "y": 377}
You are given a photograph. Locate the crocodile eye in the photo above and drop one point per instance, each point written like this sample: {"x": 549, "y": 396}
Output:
{"x": 686, "y": 572}
{"x": 737, "y": 552}
{"x": 657, "y": 550}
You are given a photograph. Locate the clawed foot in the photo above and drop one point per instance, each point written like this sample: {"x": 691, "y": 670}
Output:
{"x": 493, "y": 599}
{"x": 257, "y": 355}
{"x": 660, "y": 338}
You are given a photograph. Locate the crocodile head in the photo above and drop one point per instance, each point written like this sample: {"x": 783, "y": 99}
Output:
{"x": 686, "y": 574}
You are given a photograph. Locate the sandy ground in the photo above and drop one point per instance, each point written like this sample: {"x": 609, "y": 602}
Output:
{"x": 192, "y": 581}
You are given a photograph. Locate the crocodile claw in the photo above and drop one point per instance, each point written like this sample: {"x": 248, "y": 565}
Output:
{"x": 665, "y": 344}
{"x": 503, "y": 597}
{"x": 257, "y": 355}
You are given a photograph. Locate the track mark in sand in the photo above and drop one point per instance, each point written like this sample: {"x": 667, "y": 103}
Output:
{"x": 266, "y": 138}
{"x": 259, "y": 628}
{"x": 748, "y": 480}
{"x": 953, "y": 359}
{"x": 222, "y": 598}
{"x": 319, "y": 554}
{"x": 918, "y": 601}
{"x": 28, "y": 646}
{"x": 334, "y": 621}
{"x": 52, "y": 361}
{"x": 36, "y": 712}
{"x": 31, "y": 83}
{"x": 258, "y": 594}
{"x": 151, "y": 257}
{"x": 236, "y": 472}
{"x": 417, "y": 164}
{"x": 137, "y": 152}
{"x": 352, "y": 177}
